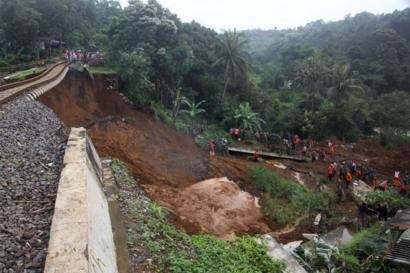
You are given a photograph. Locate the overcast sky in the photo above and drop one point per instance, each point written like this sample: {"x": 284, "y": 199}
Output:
{"x": 268, "y": 14}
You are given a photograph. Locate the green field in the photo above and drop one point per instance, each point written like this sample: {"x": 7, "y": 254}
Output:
{"x": 25, "y": 74}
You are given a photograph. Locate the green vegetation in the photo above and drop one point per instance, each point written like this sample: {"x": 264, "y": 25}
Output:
{"x": 391, "y": 197}
{"x": 95, "y": 70}
{"x": 121, "y": 175}
{"x": 315, "y": 80}
{"x": 364, "y": 254}
{"x": 213, "y": 255}
{"x": 172, "y": 250}
{"x": 284, "y": 201}
{"x": 247, "y": 119}
{"x": 25, "y": 74}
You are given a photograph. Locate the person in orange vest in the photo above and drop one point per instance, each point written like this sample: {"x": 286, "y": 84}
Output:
{"x": 211, "y": 146}
{"x": 348, "y": 178}
{"x": 332, "y": 151}
{"x": 375, "y": 183}
{"x": 256, "y": 155}
{"x": 298, "y": 141}
{"x": 331, "y": 171}
{"x": 396, "y": 179}
{"x": 236, "y": 133}
{"x": 396, "y": 182}
{"x": 383, "y": 185}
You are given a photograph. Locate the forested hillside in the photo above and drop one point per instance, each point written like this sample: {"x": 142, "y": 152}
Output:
{"x": 376, "y": 46}
{"x": 339, "y": 79}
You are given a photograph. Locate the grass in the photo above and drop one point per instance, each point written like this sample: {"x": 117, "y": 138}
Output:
{"x": 172, "y": 250}
{"x": 122, "y": 177}
{"x": 284, "y": 201}
{"x": 95, "y": 70}
{"x": 25, "y": 74}
{"x": 217, "y": 256}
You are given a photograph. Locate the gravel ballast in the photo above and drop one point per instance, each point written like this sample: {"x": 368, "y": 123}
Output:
{"x": 32, "y": 143}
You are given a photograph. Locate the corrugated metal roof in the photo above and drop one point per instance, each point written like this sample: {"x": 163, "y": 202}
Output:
{"x": 400, "y": 252}
{"x": 401, "y": 220}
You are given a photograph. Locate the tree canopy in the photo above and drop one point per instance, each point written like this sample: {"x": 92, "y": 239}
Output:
{"x": 311, "y": 80}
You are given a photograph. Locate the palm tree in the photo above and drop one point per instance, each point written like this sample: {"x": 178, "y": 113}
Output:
{"x": 232, "y": 55}
{"x": 343, "y": 84}
{"x": 247, "y": 119}
{"x": 193, "y": 109}
{"x": 313, "y": 75}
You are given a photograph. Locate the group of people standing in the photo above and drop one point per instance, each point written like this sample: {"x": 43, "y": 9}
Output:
{"x": 78, "y": 56}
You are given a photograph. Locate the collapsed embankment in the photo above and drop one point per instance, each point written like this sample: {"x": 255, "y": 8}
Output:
{"x": 165, "y": 162}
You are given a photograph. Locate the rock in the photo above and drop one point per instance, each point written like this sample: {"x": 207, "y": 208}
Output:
{"x": 31, "y": 154}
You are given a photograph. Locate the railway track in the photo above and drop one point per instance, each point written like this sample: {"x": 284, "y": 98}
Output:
{"x": 36, "y": 86}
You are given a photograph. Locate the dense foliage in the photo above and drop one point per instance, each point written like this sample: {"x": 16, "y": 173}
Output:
{"x": 341, "y": 78}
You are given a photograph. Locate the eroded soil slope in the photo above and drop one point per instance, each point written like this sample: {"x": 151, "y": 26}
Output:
{"x": 166, "y": 162}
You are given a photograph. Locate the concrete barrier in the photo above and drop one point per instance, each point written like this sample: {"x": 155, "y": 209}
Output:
{"x": 81, "y": 238}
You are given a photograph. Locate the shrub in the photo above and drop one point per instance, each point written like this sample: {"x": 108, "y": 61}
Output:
{"x": 394, "y": 200}
{"x": 392, "y": 138}
{"x": 285, "y": 200}
{"x": 217, "y": 256}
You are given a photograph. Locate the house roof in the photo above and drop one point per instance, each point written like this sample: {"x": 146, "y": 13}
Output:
{"x": 400, "y": 221}
{"x": 400, "y": 253}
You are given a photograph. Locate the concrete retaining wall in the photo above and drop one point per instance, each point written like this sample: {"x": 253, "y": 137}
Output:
{"x": 81, "y": 238}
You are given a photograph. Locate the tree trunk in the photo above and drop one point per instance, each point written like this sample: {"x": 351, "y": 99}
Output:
{"x": 226, "y": 82}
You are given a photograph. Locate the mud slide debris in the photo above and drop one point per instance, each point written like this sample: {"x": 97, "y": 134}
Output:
{"x": 218, "y": 206}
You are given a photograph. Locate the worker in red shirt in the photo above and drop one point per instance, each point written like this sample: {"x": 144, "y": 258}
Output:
{"x": 256, "y": 155}
{"x": 331, "y": 171}
{"x": 396, "y": 179}
{"x": 375, "y": 183}
{"x": 348, "y": 178}
{"x": 236, "y": 133}
{"x": 211, "y": 146}
{"x": 384, "y": 186}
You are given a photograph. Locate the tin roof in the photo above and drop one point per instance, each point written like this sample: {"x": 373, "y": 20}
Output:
{"x": 400, "y": 221}
{"x": 400, "y": 253}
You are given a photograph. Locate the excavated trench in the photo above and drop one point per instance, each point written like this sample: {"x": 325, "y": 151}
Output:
{"x": 165, "y": 162}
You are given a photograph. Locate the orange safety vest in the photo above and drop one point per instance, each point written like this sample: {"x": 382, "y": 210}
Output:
{"x": 396, "y": 182}
{"x": 332, "y": 150}
{"x": 349, "y": 177}
{"x": 375, "y": 183}
{"x": 330, "y": 169}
